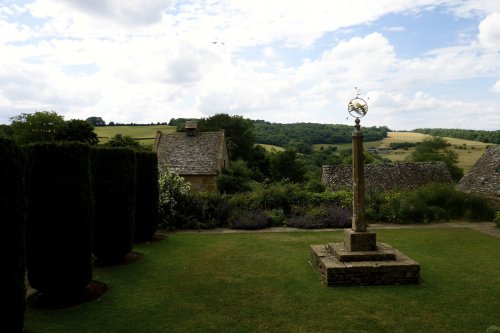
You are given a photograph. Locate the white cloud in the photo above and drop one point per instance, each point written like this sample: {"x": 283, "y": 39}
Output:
{"x": 489, "y": 31}
{"x": 496, "y": 87}
{"x": 470, "y": 8}
{"x": 268, "y": 52}
{"x": 394, "y": 29}
{"x": 126, "y": 12}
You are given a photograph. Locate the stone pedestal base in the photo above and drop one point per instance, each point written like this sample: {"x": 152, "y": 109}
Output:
{"x": 360, "y": 241}
{"x": 386, "y": 265}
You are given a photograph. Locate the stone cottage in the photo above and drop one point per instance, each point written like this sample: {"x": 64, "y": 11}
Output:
{"x": 388, "y": 176}
{"x": 484, "y": 177}
{"x": 196, "y": 156}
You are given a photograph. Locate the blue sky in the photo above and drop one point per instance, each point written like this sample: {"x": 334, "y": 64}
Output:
{"x": 419, "y": 63}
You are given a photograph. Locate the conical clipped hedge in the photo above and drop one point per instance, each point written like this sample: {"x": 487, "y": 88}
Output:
{"x": 114, "y": 186}
{"x": 146, "y": 214}
{"x": 12, "y": 223}
{"x": 60, "y": 217}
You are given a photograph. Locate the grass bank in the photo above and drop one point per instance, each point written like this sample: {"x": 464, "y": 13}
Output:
{"x": 146, "y": 133}
{"x": 262, "y": 282}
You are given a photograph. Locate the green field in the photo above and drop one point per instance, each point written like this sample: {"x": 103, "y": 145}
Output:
{"x": 146, "y": 134}
{"x": 263, "y": 282}
{"x": 271, "y": 148}
{"x": 467, "y": 157}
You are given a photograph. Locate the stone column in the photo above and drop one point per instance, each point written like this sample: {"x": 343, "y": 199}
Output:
{"x": 358, "y": 238}
{"x": 358, "y": 181}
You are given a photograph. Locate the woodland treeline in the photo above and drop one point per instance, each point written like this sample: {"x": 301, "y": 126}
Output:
{"x": 474, "y": 135}
{"x": 311, "y": 133}
{"x": 300, "y": 136}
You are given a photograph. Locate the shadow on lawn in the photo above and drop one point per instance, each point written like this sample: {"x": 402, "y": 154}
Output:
{"x": 94, "y": 290}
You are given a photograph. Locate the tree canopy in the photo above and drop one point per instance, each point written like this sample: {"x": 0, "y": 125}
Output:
{"x": 77, "y": 130}
{"x": 96, "y": 121}
{"x": 46, "y": 126}
{"x": 299, "y": 134}
{"x": 240, "y": 133}
{"x": 36, "y": 127}
{"x": 474, "y": 135}
{"x": 124, "y": 141}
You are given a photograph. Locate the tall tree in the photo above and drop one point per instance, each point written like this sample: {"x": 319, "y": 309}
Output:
{"x": 240, "y": 133}
{"x": 36, "y": 127}
{"x": 77, "y": 130}
{"x": 96, "y": 121}
{"x": 286, "y": 165}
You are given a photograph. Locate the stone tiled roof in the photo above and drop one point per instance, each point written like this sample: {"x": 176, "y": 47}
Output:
{"x": 191, "y": 155}
{"x": 484, "y": 177}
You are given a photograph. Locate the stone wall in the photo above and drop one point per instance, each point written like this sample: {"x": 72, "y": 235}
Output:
{"x": 388, "y": 176}
{"x": 201, "y": 183}
{"x": 484, "y": 177}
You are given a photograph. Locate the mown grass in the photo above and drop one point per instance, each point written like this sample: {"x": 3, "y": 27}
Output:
{"x": 263, "y": 282}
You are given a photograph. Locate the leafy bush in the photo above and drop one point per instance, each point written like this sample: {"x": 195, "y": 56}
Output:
{"x": 433, "y": 202}
{"x": 402, "y": 145}
{"x": 235, "y": 179}
{"x": 212, "y": 209}
{"x": 342, "y": 198}
{"x": 114, "y": 186}
{"x": 249, "y": 220}
{"x": 146, "y": 214}
{"x": 377, "y": 206}
{"x": 60, "y": 216}
{"x": 282, "y": 195}
{"x": 176, "y": 202}
{"x": 182, "y": 209}
{"x": 496, "y": 220}
{"x": 276, "y": 217}
{"x": 315, "y": 186}
{"x": 477, "y": 208}
{"x": 324, "y": 216}
{"x": 12, "y": 227}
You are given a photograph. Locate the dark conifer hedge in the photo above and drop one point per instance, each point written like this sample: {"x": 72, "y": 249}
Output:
{"x": 60, "y": 217}
{"x": 12, "y": 222}
{"x": 146, "y": 214}
{"x": 114, "y": 186}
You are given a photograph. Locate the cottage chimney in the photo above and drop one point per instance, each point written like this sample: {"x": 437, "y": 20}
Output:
{"x": 191, "y": 127}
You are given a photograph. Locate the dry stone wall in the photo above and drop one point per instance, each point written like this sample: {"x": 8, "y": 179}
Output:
{"x": 388, "y": 176}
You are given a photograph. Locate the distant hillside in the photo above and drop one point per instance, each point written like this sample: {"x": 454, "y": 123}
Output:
{"x": 468, "y": 151}
{"x": 474, "y": 135}
{"x": 311, "y": 133}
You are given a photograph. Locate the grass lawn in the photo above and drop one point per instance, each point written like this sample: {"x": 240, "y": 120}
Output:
{"x": 263, "y": 282}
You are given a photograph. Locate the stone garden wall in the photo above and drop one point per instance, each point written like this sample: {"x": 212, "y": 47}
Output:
{"x": 388, "y": 176}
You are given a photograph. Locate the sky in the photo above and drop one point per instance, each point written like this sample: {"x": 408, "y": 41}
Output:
{"x": 417, "y": 63}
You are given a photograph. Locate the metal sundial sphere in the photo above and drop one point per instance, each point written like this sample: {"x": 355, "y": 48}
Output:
{"x": 357, "y": 107}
